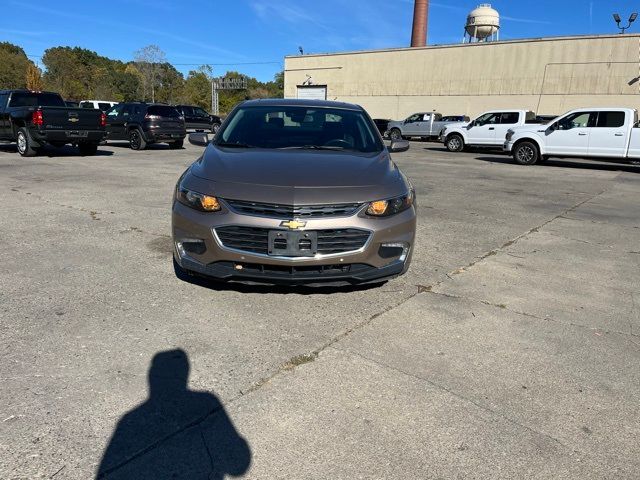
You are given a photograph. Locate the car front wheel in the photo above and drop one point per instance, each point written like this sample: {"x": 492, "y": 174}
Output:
{"x": 395, "y": 134}
{"x": 455, "y": 143}
{"x": 526, "y": 153}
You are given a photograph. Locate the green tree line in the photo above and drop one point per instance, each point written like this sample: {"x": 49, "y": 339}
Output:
{"x": 80, "y": 74}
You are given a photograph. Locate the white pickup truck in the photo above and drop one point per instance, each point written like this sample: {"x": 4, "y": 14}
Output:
{"x": 603, "y": 133}
{"x": 488, "y": 130}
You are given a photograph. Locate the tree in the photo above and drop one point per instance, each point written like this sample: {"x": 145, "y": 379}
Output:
{"x": 148, "y": 60}
{"x": 197, "y": 87}
{"x": 13, "y": 66}
{"x": 34, "y": 78}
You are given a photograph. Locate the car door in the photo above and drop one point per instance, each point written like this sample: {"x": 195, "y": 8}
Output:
{"x": 189, "y": 120}
{"x": 116, "y": 123}
{"x": 202, "y": 118}
{"x": 5, "y": 132}
{"x": 483, "y": 130}
{"x": 569, "y": 135}
{"x": 507, "y": 120}
{"x": 609, "y": 135}
{"x": 411, "y": 125}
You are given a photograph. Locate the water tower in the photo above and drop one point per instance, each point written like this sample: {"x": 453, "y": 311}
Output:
{"x": 483, "y": 25}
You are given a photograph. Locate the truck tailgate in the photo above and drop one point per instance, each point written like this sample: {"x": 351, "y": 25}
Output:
{"x": 64, "y": 118}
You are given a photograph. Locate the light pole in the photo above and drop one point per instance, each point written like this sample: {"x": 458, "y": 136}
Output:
{"x": 617, "y": 19}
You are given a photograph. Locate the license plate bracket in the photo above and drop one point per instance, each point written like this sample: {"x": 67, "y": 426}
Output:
{"x": 283, "y": 243}
{"x": 76, "y": 133}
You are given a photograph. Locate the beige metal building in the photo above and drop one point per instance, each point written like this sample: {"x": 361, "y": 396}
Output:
{"x": 547, "y": 75}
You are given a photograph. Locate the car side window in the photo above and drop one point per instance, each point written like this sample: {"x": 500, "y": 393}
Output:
{"x": 3, "y": 100}
{"x": 200, "y": 112}
{"x": 114, "y": 111}
{"x": 187, "y": 110}
{"x": 610, "y": 120}
{"x": 509, "y": 118}
{"x": 575, "y": 120}
{"x": 488, "y": 119}
{"x": 414, "y": 118}
{"x": 127, "y": 111}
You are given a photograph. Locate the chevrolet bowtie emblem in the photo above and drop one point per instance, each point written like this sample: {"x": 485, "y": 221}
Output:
{"x": 293, "y": 224}
{"x": 74, "y": 119}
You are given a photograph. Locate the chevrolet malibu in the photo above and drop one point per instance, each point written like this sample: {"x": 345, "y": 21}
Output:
{"x": 294, "y": 192}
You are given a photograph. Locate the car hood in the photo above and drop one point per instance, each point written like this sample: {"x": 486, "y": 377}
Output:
{"x": 296, "y": 176}
{"x": 529, "y": 127}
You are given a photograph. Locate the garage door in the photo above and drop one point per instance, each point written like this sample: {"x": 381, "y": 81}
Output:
{"x": 316, "y": 92}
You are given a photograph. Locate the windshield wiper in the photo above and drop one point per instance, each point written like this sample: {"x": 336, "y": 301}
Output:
{"x": 233, "y": 145}
{"x": 313, "y": 147}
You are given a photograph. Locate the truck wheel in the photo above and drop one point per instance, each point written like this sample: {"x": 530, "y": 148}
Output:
{"x": 25, "y": 144}
{"x": 395, "y": 134}
{"x": 87, "y": 149}
{"x": 177, "y": 144}
{"x": 526, "y": 153}
{"x": 136, "y": 141}
{"x": 454, "y": 143}
{"x": 215, "y": 127}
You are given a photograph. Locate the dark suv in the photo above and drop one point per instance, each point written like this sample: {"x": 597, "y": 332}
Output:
{"x": 198, "y": 119}
{"x": 145, "y": 123}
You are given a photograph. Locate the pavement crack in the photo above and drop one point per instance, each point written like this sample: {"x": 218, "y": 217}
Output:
{"x": 514, "y": 240}
{"x": 459, "y": 396}
{"x": 152, "y": 446}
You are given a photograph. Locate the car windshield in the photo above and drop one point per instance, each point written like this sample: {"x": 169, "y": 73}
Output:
{"x": 34, "y": 99}
{"x": 300, "y": 127}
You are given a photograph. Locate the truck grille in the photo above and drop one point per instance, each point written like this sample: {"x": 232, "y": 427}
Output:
{"x": 273, "y": 210}
{"x": 256, "y": 240}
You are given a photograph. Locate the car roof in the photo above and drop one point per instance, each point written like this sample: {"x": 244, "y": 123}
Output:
{"x": 297, "y": 102}
{"x": 24, "y": 90}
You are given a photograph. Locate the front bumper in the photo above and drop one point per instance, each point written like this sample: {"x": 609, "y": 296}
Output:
{"x": 364, "y": 265}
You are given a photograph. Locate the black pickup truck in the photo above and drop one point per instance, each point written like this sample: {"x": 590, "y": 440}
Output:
{"x": 35, "y": 119}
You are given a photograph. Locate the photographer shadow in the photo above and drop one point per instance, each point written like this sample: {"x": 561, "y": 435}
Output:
{"x": 176, "y": 432}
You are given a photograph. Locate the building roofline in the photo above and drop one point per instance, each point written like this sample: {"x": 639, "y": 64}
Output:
{"x": 467, "y": 45}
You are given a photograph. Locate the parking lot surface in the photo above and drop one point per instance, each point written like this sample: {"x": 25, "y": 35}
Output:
{"x": 509, "y": 350}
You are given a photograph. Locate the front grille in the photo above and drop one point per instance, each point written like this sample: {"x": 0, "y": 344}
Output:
{"x": 247, "y": 239}
{"x": 273, "y": 210}
{"x": 256, "y": 240}
{"x": 340, "y": 241}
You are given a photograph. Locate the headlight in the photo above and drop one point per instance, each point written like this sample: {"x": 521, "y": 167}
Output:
{"x": 385, "y": 208}
{"x": 199, "y": 201}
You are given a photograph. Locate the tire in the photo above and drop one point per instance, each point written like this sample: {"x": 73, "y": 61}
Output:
{"x": 215, "y": 127}
{"x": 395, "y": 134}
{"x": 87, "y": 149}
{"x": 526, "y": 153}
{"x": 454, "y": 143}
{"x": 136, "y": 140}
{"x": 176, "y": 145}
{"x": 25, "y": 143}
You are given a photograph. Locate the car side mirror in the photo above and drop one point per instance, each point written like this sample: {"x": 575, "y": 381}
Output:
{"x": 471, "y": 124}
{"x": 398, "y": 146}
{"x": 551, "y": 128}
{"x": 199, "y": 139}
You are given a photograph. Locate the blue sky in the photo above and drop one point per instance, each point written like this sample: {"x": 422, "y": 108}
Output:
{"x": 253, "y": 36}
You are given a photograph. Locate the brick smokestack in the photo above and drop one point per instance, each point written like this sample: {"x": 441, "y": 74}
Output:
{"x": 420, "y": 19}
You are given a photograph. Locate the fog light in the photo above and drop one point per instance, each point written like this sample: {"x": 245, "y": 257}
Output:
{"x": 394, "y": 250}
{"x": 194, "y": 246}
